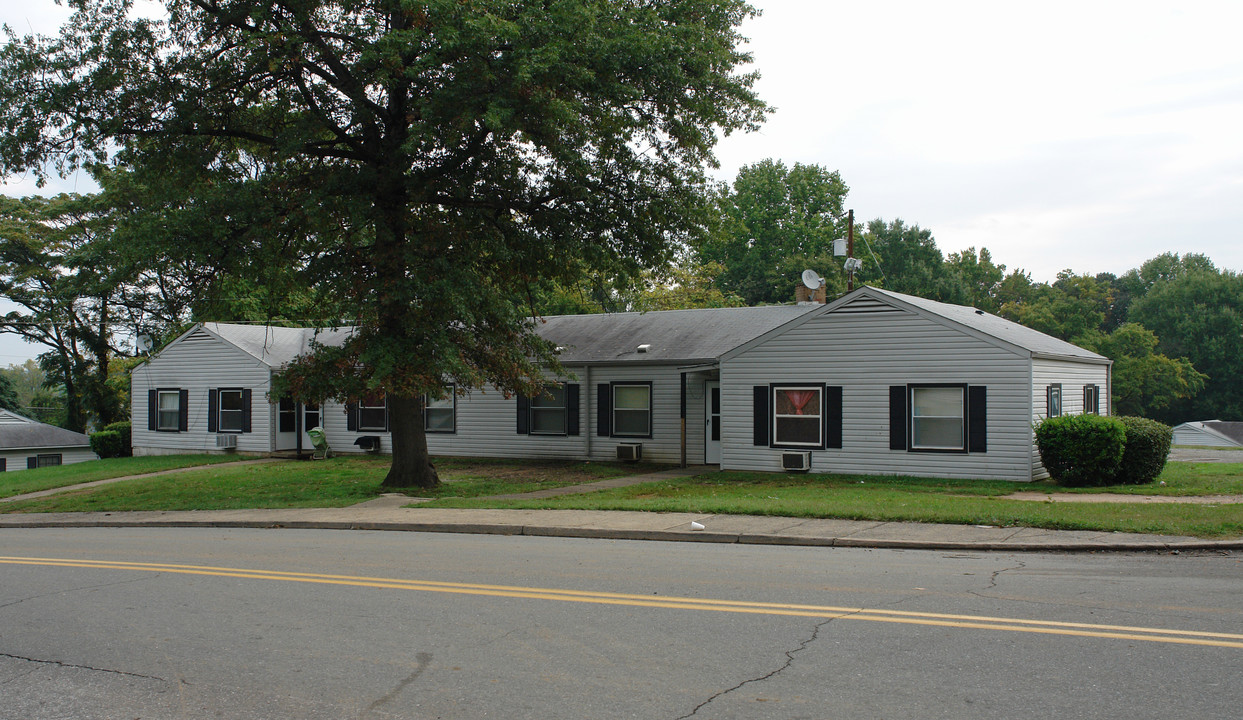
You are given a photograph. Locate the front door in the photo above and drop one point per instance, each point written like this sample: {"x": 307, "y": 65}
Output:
{"x": 712, "y": 429}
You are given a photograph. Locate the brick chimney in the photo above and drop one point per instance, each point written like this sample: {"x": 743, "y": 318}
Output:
{"x": 803, "y": 294}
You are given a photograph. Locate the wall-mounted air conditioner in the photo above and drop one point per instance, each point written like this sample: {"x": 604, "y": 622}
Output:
{"x": 226, "y": 441}
{"x": 796, "y": 461}
{"x": 630, "y": 451}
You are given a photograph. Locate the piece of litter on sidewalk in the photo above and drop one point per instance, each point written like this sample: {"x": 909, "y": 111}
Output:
{"x": 696, "y": 526}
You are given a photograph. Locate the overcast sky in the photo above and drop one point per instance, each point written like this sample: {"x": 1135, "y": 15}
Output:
{"x": 1087, "y": 135}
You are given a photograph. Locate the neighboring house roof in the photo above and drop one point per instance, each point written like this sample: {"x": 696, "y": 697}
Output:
{"x": 672, "y": 336}
{"x": 274, "y": 346}
{"x": 1229, "y": 433}
{"x": 997, "y": 327}
{"x": 21, "y": 433}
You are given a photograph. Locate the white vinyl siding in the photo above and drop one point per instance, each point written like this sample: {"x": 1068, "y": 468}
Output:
{"x": 865, "y": 348}
{"x": 1073, "y": 375}
{"x": 15, "y": 459}
{"x": 198, "y": 363}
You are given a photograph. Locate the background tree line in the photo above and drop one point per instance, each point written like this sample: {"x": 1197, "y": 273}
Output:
{"x": 90, "y": 273}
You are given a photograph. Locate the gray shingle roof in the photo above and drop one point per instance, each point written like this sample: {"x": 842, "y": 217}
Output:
{"x": 998, "y": 327}
{"x": 1232, "y": 430}
{"x": 21, "y": 433}
{"x": 275, "y": 346}
{"x": 673, "y": 336}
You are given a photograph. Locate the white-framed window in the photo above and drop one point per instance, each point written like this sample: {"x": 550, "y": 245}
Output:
{"x": 1092, "y": 399}
{"x": 1054, "y": 401}
{"x": 798, "y": 416}
{"x": 440, "y": 416}
{"x": 48, "y": 460}
{"x": 373, "y": 414}
{"x": 548, "y": 411}
{"x": 168, "y": 410}
{"x": 632, "y": 410}
{"x": 938, "y": 417}
{"x": 231, "y": 412}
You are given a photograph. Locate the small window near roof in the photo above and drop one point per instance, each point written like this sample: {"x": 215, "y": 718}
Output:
{"x": 1054, "y": 403}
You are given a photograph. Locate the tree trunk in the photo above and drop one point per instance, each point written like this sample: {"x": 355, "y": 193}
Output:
{"x": 412, "y": 466}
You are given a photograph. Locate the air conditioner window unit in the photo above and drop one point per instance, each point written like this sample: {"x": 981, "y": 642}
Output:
{"x": 226, "y": 441}
{"x": 630, "y": 451}
{"x": 796, "y": 461}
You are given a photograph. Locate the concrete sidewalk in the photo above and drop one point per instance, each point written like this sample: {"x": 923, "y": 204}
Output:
{"x": 388, "y": 512}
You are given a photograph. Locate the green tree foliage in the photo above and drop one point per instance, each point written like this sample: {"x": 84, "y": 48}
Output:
{"x": 1198, "y": 314}
{"x": 53, "y": 267}
{"x": 1145, "y": 382}
{"x": 975, "y": 279}
{"x": 906, "y": 259}
{"x": 774, "y": 222}
{"x": 8, "y": 395}
{"x": 420, "y": 164}
{"x": 685, "y": 286}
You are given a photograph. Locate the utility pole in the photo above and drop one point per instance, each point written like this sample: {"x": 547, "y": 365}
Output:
{"x": 850, "y": 250}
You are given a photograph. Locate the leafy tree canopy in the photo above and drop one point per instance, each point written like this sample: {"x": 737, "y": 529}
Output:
{"x": 773, "y": 223}
{"x": 419, "y": 163}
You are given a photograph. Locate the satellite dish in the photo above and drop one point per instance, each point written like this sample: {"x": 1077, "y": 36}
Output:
{"x": 811, "y": 279}
{"x": 144, "y": 343}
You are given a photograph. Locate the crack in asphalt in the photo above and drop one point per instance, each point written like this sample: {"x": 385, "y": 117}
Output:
{"x": 71, "y": 666}
{"x": 815, "y": 635}
{"x": 992, "y": 580}
{"x": 424, "y": 659}
{"x": 141, "y": 578}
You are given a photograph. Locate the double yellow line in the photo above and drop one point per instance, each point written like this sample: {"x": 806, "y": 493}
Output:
{"x": 1117, "y": 632}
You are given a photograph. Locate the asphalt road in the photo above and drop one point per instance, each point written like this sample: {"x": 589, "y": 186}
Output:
{"x": 201, "y": 623}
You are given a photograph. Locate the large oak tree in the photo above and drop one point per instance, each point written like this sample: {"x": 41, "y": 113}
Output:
{"x": 426, "y": 161}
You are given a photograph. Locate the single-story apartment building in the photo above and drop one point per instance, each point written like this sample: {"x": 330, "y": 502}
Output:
{"x": 27, "y": 444}
{"x": 873, "y": 382}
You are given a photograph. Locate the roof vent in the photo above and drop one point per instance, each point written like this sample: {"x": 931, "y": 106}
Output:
{"x": 643, "y": 348}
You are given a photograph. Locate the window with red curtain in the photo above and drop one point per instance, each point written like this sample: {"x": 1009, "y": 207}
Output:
{"x": 798, "y": 416}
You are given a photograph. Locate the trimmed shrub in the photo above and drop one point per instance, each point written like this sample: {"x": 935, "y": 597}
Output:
{"x": 106, "y": 443}
{"x": 1081, "y": 450}
{"x": 1147, "y": 448}
{"x": 125, "y": 428}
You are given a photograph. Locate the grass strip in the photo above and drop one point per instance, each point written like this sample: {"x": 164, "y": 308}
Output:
{"x": 27, "y": 481}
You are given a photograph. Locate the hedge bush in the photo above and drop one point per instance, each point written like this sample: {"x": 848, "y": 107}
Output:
{"x": 1081, "y": 450}
{"x": 106, "y": 443}
{"x": 1147, "y": 448}
{"x": 127, "y": 436}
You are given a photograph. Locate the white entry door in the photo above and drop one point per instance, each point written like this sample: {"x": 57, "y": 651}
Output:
{"x": 712, "y": 430}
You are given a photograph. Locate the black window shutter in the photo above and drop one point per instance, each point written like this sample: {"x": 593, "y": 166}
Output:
{"x": 897, "y": 417}
{"x": 524, "y": 414}
{"x": 604, "y": 410}
{"x": 213, "y": 407}
{"x": 977, "y": 419}
{"x": 32, "y": 463}
{"x": 759, "y": 415}
{"x": 833, "y": 417}
{"x": 351, "y": 417}
{"x": 183, "y": 410}
{"x": 571, "y": 409}
{"x": 152, "y": 411}
{"x": 246, "y": 410}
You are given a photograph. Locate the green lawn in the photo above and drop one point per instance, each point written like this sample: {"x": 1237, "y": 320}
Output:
{"x": 468, "y": 482}
{"x": 966, "y": 502}
{"x": 302, "y": 483}
{"x": 26, "y": 481}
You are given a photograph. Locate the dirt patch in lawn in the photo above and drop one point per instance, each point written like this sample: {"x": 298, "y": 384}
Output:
{"x": 569, "y": 473}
